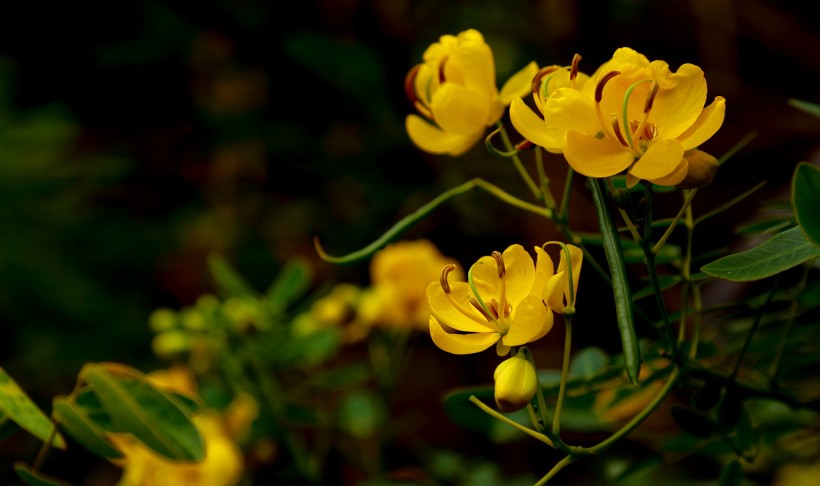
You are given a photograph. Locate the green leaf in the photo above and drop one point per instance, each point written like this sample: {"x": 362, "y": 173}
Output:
{"x": 361, "y": 414}
{"x": 805, "y": 106}
{"x": 588, "y": 362}
{"x": 806, "y": 199}
{"x": 693, "y": 421}
{"x": 665, "y": 281}
{"x": 291, "y": 282}
{"x": 79, "y": 425}
{"x": 782, "y": 252}
{"x": 31, "y": 477}
{"x": 18, "y": 407}
{"x": 137, "y": 407}
{"x": 228, "y": 279}
{"x": 620, "y": 283}
{"x": 732, "y": 474}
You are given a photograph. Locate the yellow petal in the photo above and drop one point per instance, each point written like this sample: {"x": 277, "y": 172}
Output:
{"x": 675, "y": 110}
{"x": 531, "y": 126}
{"x": 595, "y": 157}
{"x": 554, "y": 292}
{"x": 426, "y": 83}
{"x": 576, "y": 258}
{"x": 463, "y": 318}
{"x": 661, "y": 159}
{"x": 700, "y": 170}
{"x": 519, "y": 84}
{"x": 675, "y": 177}
{"x": 432, "y": 139}
{"x": 709, "y": 121}
{"x": 460, "y": 343}
{"x": 519, "y": 272}
{"x": 543, "y": 270}
{"x": 471, "y": 64}
{"x": 460, "y": 110}
{"x": 566, "y": 110}
{"x": 530, "y": 320}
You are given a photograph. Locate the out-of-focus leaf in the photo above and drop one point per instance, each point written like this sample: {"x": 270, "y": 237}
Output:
{"x": 7, "y": 427}
{"x": 588, "y": 362}
{"x": 806, "y": 199}
{"x": 764, "y": 227}
{"x": 291, "y": 282}
{"x": 732, "y": 474}
{"x": 137, "y": 407}
{"x": 228, "y": 279}
{"x": 79, "y": 426}
{"x": 31, "y": 477}
{"x": 694, "y": 421}
{"x": 15, "y": 405}
{"x": 810, "y": 108}
{"x": 361, "y": 414}
{"x": 665, "y": 281}
{"x": 342, "y": 377}
{"x": 780, "y": 253}
{"x": 731, "y": 408}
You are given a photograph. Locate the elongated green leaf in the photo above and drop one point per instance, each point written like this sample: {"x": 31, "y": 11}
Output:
{"x": 18, "y": 407}
{"x": 806, "y": 199}
{"x": 782, "y": 252}
{"x": 291, "y": 282}
{"x": 228, "y": 279}
{"x": 84, "y": 430}
{"x": 147, "y": 413}
{"x": 620, "y": 284}
{"x": 31, "y": 477}
{"x": 408, "y": 221}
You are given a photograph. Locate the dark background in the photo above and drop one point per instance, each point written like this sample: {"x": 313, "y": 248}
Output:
{"x": 137, "y": 137}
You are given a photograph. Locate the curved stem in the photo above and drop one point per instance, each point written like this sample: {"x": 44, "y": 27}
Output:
{"x": 556, "y": 420}
{"x": 686, "y": 205}
{"x": 562, "y": 211}
{"x": 556, "y": 469}
{"x": 518, "y": 165}
{"x": 489, "y": 411}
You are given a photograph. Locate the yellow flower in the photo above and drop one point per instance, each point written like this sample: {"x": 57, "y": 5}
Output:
{"x": 515, "y": 383}
{"x": 632, "y": 115}
{"x": 399, "y": 275}
{"x": 561, "y": 288}
{"x": 509, "y": 306}
{"x": 221, "y": 466}
{"x": 455, "y": 91}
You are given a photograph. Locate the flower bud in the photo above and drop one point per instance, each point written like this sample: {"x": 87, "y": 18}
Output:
{"x": 701, "y": 170}
{"x": 515, "y": 383}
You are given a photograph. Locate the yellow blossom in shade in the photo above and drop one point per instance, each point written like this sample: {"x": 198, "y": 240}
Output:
{"x": 632, "y": 115}
{"x": 560, "y": 290}
{"x": 399, "y": 274}
{"x": 454, "y": 90}
{"x": 222, "y": 465}
{"x": 507, "y": 307}
{"x": 515, "y": 383}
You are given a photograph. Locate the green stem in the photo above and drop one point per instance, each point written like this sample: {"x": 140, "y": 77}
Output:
{"x": 489, "y": 411}
{"x": 543, "y": 413}
{"x": 775, "y": 368}
{"x": 696, "y": 301}
{"x": 518, "y": 165}
{"x": 41, "y": 454}
{"x": 649, "y": 259}
{"x": 562, "y": 211}
{"x": 546, "y": 194}
{"x": 629, "y": 224}
{"x": 556, "y": 469}
{"x": 556, "y": 420}
{"x": 686, "y": 205}
{"x": 753, "y": 329}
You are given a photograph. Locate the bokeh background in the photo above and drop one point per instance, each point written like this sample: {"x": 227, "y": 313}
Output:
{"x": 136, "y": 138}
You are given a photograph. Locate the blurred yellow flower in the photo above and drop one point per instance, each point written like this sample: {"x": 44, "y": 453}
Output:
{"x": 339, "y": 309}
{"x": 515, "y": 383}
{"x": 399, "y": 275}
{"x": 223, "y": 463}
{"x": 507, "y": 307}
{"x": 455, "y": 91}
{"x": 632, "y": 115}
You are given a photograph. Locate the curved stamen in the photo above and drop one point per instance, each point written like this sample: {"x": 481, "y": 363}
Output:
{"x": 445, "y": 285}
{"x": 441, "y": 78}
{"x": 410, "y": 84}
{"x": 643, "y": 130}
{"x": 499, "y": 261}
{"x": 599, "y": 94}
{"x": 616, "y": 127}
{"x": 573, "y": 70}
{"x": 599, "y": 88}
{"x": 536, "y": 80}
